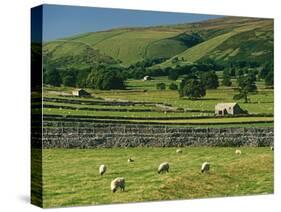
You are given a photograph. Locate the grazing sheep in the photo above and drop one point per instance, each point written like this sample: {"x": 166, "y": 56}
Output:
{"x": 205, "y": 167}
{"x": 238, "y": 152}
{"x": 130, "y": 160}
{"x": 163, "y": 167}
{"x": 118, "y": 182}
{"x": 102, "y": 169}
{"x": 178, "y": 151}
{"x": 272, "y": 148}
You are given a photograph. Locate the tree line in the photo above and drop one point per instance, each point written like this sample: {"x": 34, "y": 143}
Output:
{"x": 196, "y": 77}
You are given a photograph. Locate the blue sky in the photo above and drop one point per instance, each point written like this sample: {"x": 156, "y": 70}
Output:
{"x": 62, "y": 21}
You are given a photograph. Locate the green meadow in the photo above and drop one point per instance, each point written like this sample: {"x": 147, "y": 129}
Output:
{"x": 148, "y": 102}
{"x": 71, "y": 177}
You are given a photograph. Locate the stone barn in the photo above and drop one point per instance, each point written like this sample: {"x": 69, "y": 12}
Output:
{"x": 223, "y": 109}
{"x": 145, "y": 78}
{"x": 80, "y": 93}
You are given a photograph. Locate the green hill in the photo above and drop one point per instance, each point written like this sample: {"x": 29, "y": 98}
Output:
{"x": 129, "y": 45}
{"x": 252, "y": 41}
{"x": 68, "y": 53}
{"x": 223, "y": 40}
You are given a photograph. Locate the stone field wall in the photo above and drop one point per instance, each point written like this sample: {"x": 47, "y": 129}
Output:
{"x": 110, "y": 135}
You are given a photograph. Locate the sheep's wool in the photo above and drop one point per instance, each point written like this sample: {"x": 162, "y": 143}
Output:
{"x": 118, "y": 182}
{"x": 102, "y": 169}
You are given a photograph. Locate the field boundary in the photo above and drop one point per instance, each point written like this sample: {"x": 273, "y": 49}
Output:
{"x": 134, "y": 135}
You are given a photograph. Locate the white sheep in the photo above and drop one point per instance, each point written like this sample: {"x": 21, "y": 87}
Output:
{"x": 178, "y": 151}
{"x": 238, "y": 152}
{"x": 118, "y": 182}
{"x": 163, "y": 167}
{"x": 130, "y": 160}
{"x": 272, "y": 148}
{"x": 205, "y": 167}
{"x": 102, "y": 169}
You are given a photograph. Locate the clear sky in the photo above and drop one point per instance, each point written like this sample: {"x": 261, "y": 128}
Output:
{"x": 62, "y": 21}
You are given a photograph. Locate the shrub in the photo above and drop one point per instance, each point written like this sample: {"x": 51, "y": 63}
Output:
{"x": 161, "y": 86}
{"x": 173, "y": 86}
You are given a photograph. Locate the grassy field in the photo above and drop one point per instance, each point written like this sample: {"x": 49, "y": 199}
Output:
{"x": 145, "y": 94}
{"x": 70, "y": 177}
{"x": 260, "y": 103}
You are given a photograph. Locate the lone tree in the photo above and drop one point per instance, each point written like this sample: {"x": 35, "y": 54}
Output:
{"x": 210, "y": 80}
{"x": 246, "y": 85}
{"x": 226, "y": 79}
{"x": 192, "y": 88}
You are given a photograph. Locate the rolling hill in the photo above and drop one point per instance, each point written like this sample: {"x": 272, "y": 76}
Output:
{"x": 223, "y": 40}
{"x": 252, "y": 41}
{"x": 68, "y": 53}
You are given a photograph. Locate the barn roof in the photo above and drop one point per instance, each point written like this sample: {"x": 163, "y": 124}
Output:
{"x": 225, "y": 105}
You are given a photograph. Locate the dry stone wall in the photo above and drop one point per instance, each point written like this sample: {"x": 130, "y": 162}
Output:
{"x": 109, "y": 135}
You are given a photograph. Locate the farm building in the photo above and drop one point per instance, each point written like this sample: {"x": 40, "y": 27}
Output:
{"x": 223, "y": 109}
{"x": 80, "y": 93}
{"x": 145, "y": 78}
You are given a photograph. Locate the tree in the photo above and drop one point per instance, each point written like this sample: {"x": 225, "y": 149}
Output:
{"x": 161, "y": 86}
{"x": 232, "y": 72}
{"x": 239, "y": 72}
{"x": 246, "y": 85}
{"x": 81, "y": 77}
{"x": 53, "y": 77}
{"x": 269, "y": 79}
{"x": 263, "y": 73}
{"x": 68, "y": 80}
{"x": 194, "y": 69}
{"x": 175, "y": 60}
{"x": 267, "y": 72}
{"x": 192, "y": 88}
{"x": 173, "y": 86}
{"x": 252, "y": 76}
{"x": 173, "y": 75}
{"x": 105, "y": 79}
{"x": 226, "y": 80}
{"x": 210, "y": 80}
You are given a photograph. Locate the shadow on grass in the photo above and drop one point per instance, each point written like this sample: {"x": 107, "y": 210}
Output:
{"x": 203, "y": 99}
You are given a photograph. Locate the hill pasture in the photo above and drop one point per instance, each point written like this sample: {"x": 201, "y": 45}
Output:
{"x": 71, "y": 177}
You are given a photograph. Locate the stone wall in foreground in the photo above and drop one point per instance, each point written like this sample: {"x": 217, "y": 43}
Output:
{"x": 104, "y": 135}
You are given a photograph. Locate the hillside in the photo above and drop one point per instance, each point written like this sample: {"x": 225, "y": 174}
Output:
{"x": 224, "y": 40}
{"x": 68, "y": 53}
{"x": 252, "y": 42}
